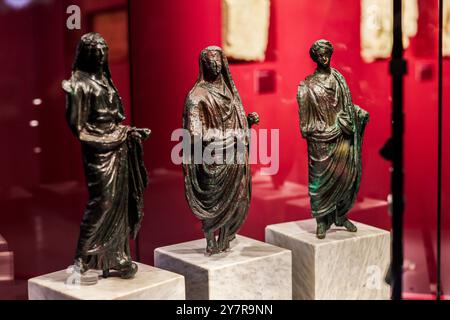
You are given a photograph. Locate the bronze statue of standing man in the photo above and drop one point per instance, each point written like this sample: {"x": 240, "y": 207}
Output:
{"x": 333, "y": 127}
{"x": 218, "y": 193}
{"x": 113, "y": 162}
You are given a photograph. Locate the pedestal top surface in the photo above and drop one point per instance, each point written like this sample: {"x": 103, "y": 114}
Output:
{"x": 305, "y": 231}
{"x": 106, "y": 289}
{"x": 3, "y": 244}
{"x": 243, "y": 250}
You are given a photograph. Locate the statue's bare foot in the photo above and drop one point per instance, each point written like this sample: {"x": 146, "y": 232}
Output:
{"x": 105, "y": 273}
{"x": 347, "y": 224}
{"x": 212, "y": 250}
{"x": 223, "y": 247}
{"x": 212, "y": 247}
{"x": 226, "y": 246}
{"x": 223, "y": 236}
{"x": 129, "y": 271}
{"x": 321, "y": 230}
{"x": 211, "y": 243}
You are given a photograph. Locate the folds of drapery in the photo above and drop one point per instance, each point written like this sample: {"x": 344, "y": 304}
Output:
{"x": 333, "y": 127}
{"x": 138, "y": 181}
{"x": 115, "y": 174}
{"x": 217, "y": 193}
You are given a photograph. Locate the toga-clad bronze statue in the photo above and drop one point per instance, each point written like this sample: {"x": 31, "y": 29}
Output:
{"x": 113, "y": 162}
{"x": 333, "y": 127}
{"x": 218, "y": 193}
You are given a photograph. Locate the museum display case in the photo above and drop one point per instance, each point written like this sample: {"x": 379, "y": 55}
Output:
{"x": 154, "y": 49}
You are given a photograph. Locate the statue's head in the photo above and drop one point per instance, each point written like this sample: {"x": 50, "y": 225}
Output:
{"x": 92, "y": 53}
{"x": 212, "y": 62}
{"x": 213, "y": 65}
{"x": 321, "y": 52}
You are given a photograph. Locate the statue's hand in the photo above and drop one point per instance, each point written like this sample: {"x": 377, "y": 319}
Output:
{"x": 253, "y": 118}
{"x": 363, "y": 114}
{"x": 141, "y": 133}
{"x": 366, "y": 116}
{"x": 321, "y": 126}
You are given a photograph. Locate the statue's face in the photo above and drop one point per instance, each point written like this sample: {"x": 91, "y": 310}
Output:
{"x": 101, "y": 54}
{"x": 323, "y": 57}
{"x": 213, "y": 63}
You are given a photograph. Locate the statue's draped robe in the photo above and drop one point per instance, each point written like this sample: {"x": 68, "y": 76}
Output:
{"x": 114, "y": 171}
{"x": 218, "y": 194}
{"x": 333, "y": 127}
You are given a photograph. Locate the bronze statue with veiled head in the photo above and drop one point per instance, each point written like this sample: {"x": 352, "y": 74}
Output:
{"x": 113, "y": 162}
{"x": 333, "y": 127}
{"x": 218, "y": 192}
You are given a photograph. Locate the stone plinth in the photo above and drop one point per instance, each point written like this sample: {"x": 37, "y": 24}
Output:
{"x": 149, "y": 284}
{"x": 344, "y": 265}
{"x": 250, "y": 270}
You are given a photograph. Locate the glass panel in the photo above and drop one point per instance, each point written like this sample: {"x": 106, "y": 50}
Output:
{"x": 165, "y": 70}
{"x": 42, "y": 185}
{"x": 421, "y": 171}
{"x": 445, "y": 193}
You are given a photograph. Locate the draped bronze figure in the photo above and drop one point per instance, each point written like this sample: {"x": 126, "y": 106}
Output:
{"x": 113, "y": 162}
{"x": 333, "y": 127}
{"x": 218, "y": 193}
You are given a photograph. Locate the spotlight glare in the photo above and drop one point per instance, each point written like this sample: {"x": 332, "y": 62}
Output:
{"x": 37, "y": 102}
{"x": 34, "y": 123}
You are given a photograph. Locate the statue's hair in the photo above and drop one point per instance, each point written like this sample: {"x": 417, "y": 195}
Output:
{"x": 322, "y": 43}
{"x": 86, "y": 52}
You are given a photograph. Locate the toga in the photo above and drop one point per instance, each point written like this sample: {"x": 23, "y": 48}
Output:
{"x": 333, "y": 127}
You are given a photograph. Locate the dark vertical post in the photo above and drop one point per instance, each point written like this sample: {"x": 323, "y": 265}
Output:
{"x": 130, "y": 63}
{"x": 397, "y": 70}
{"x": 439, "y": 173}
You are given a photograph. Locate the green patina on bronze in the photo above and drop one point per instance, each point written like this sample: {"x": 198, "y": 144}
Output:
{"x": 333, "y": 127}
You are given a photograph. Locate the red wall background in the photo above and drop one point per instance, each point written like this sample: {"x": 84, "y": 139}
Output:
{"x": 43, "y": 196}
{"x": 165, "y": 67}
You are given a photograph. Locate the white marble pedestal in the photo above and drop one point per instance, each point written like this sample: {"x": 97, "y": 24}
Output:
{"x": 250, "y": 270}
{"x": 342, "y": 266}
{"x": 149, "y": 284}
{"x": 6, "y": 261}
